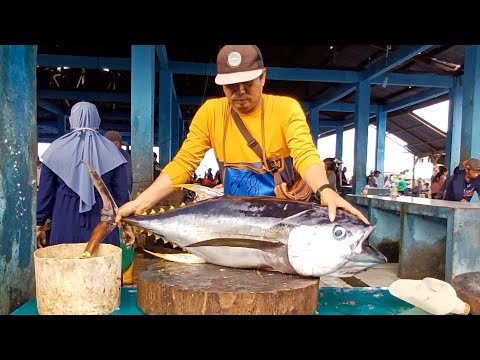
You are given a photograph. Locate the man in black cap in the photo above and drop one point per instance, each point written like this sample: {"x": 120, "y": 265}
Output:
{"x": 116, "y": 138}
{"x": 465, "y": 182}
{"x": 281, "y": 145}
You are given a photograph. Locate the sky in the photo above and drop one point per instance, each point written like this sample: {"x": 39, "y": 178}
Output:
{"x": 436, "y": 114}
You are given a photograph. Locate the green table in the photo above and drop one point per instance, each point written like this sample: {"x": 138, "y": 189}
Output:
{"x": 331, "y": 301}
{"x": 128, "y": 304}
{"x": 362, "y": 301}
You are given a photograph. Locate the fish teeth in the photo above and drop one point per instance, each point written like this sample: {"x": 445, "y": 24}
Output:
{"x": 164, "y": 240}
{"x": 171, "y": 207}
{"x": 182, "y": 204}
{"x": 161, "y": 210}
{"x": 152, "y": 212}
{"x": 144, "y": 213}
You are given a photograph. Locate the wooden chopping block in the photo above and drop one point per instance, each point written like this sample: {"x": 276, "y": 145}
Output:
{"x": 194, "y": 289}
{"x": 467, "y": 286}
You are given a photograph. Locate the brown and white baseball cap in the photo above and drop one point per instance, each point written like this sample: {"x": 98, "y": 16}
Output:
{"x": 238, "y": 63}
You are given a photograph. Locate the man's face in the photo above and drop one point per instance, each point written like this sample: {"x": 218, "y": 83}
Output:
{"x": 245, "y": 97}
{"x": 473, "y": 174}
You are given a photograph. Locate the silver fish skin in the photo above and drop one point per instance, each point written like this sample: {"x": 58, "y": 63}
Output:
{"x": 267, "y": 233}
{"x": 264, "y": 233}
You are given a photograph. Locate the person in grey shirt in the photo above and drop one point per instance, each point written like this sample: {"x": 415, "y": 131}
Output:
{"x": 116, "y": 138}
{"x": 372, "y": 181}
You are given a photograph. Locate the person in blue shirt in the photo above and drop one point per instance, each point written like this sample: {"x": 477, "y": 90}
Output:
{"x": 66, "y": 194}
{"x": 465, "y": 182}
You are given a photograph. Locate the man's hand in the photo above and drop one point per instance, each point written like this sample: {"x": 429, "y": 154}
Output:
{"x": 41, "y": 236}
{"x": 127, "y": 209}
{"x": 333, "y": 200}
{"x": 128, "y": 237}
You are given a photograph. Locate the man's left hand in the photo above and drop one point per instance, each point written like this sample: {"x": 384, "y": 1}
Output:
{"x": 128, "y": 237}
{"x": 333, "y": 200}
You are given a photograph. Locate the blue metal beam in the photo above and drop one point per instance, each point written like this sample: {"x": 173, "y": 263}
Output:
{"x": 415, "y": 99}
{"x": 84, "y": 95}
{"x": 421, "y": 80}
{"x": 273, "y": 73}
{"x": 86, "y": 62}
{"x": 192, "y": 68}
{"x": 344, "y": 107}
{"x": 302, "y": 74}
{"x": 329, "y": 123}
{"x": 398, "y": 57}
{"x": 50, "y": 107}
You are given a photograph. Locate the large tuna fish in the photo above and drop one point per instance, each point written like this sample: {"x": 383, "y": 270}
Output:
{"x": 257, "y": 232}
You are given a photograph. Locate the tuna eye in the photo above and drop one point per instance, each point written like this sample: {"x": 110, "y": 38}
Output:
{"x": 339, "y": 232}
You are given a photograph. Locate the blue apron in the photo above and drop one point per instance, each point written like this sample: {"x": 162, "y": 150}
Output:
{"x": 244, "y": 182}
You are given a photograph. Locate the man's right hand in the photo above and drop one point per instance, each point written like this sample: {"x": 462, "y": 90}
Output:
{"x": 127, "y": 209}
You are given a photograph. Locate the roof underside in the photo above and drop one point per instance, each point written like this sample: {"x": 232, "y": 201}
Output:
{"x": 421, "y": 138}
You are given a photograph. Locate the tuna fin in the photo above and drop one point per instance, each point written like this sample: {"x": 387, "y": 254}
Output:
{"x": 245, "y": 243}
{"x": 203, "y": 192}
{"x": 182, "y": 258}
{"x": 107, "y": 216}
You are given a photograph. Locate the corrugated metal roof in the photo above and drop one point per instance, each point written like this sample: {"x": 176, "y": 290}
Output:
{"x": 439, "y": 59}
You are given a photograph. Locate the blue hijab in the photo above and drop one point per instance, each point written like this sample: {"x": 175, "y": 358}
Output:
{"x": 65, "y": 156}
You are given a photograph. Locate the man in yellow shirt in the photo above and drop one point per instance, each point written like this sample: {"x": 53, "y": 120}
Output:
{"x": 277, "y": 123}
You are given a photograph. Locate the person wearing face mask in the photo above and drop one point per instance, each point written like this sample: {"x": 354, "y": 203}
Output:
{"x": 277, "y": 124}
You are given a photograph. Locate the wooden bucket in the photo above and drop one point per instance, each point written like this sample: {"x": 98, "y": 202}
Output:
{"x": 69, "y": 285}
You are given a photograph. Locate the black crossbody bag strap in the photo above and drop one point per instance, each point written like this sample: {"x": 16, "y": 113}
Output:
{"x": 255, "y": 146}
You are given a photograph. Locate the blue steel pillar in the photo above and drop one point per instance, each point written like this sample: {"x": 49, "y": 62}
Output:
{"x": 175, "y": 125}
{"x": 181, "y": 130}
{"x": 142, "y": 110}
{"x": 362, "y": 112}
{"x": 165, "y": 117}
{"x": 452, "y": 146}
{"x": 470, "y": 145}
{"x": 380, "y": 148}
{"x": 18, "y": 174}
{"x": 339, "y": 141}
{"x": 313, "y": 119}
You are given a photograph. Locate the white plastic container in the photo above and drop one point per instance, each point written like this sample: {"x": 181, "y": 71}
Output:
{"x": 69, "y": 285}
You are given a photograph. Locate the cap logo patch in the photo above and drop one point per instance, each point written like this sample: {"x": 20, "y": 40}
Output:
{"x": 234, "y": 59}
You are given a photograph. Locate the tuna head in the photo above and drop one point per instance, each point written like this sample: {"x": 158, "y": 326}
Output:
{"x": 338, "y": 248}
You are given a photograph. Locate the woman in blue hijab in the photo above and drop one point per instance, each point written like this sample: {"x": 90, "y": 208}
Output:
{"x": 66, "y": 194}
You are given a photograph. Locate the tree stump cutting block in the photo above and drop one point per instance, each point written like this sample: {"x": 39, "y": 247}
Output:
{"x": 169, "y": 288}
{"x": 467, "y": 286}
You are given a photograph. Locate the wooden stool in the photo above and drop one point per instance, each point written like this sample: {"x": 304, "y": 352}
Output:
{"x": 467, "y": 286}
{"x": 177, "y": 289}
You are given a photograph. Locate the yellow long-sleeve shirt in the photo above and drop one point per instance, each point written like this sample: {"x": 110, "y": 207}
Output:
{"x": 286, "y": 135}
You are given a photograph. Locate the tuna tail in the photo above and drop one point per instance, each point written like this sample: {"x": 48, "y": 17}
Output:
{"x": 107, "y": 218}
